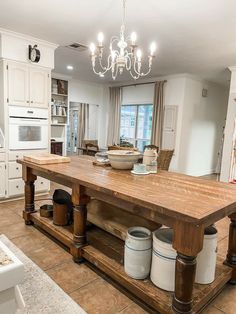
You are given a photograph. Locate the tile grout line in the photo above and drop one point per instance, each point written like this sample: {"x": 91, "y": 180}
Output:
{"x": 220, "y": 310}
{"x": 92, "y": 280}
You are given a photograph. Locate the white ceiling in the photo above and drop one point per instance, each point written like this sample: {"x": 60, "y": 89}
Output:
{"x": 193, "y": 36}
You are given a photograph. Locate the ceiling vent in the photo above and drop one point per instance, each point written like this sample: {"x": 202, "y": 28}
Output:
{"x": 78, "y": 47}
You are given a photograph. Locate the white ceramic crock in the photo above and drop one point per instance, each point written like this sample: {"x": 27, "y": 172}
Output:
{"x": 163, "y": 260}
{"x": 206, "y": 259}
{"x": 138, "y": 252}
{"x": 149, "y": 156}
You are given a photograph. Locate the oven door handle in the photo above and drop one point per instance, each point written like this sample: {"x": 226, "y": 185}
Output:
{"x": 31, "y": 120}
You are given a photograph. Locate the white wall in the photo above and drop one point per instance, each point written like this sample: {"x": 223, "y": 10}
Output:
{"x": 93, "y": 94}
{"x": 138, "y": 94}
{"x": 202, "y": 127}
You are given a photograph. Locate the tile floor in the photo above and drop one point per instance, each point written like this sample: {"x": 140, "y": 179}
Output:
{"x": 86, "y": 287}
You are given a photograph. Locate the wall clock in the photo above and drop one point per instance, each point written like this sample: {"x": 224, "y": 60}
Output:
{"x": 34, "y": 53}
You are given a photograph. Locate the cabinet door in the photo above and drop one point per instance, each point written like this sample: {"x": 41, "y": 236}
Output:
{"x": 3, "y": 179}
{"x": 18, "y": 84}
{"x": 39, "y": 83}
{"x": 169, "y": 127}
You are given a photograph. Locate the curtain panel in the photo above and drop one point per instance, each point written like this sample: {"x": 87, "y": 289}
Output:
{"x": 113, "y": 136}
{"x": 83, "y": 120}
{"x": 158, "y": 114}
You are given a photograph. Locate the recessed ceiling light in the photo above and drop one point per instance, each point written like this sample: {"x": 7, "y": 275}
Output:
{"x": 70, "y": 67}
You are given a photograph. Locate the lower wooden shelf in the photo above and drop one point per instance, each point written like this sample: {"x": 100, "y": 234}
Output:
{"x": 105, "y": 251}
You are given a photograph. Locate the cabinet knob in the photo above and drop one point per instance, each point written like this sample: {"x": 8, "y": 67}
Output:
{"x": 27, "y": 101}
{"x": 17, "y": 156}
{"x": 17, "y": 186}
{"x": 31, "y": 101}
{"x": 17, "y": 168}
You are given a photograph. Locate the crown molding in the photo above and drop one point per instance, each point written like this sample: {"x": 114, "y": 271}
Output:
{"x": 7, "y": 32}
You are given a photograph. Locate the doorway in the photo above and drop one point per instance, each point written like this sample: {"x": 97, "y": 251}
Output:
{"x": 72, "y": 133}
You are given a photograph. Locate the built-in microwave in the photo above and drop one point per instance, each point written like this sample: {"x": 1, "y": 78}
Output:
{"x": 28, "y": 128}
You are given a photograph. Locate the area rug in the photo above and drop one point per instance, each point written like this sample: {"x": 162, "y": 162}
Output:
{"x": 41, "y": 294}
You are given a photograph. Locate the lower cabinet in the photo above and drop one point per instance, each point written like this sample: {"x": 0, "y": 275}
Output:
{"x": 15, "y": 187}
{"x": 42, "y": 184}
{"x": 2, "y": 179}
{"x": 15, "y": 182}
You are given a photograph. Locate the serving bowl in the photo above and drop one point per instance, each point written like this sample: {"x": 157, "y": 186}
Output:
{"x": 123, "y": 159}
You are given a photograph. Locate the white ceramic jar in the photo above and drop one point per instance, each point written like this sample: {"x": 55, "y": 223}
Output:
{"x": 149, "y": 156}
{"x": 206, "y": 259}
{"x": 138, "y": 252}
{"x": 163, "y": 260}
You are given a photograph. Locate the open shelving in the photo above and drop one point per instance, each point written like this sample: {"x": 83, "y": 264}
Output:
{"x": 59, "y": 111}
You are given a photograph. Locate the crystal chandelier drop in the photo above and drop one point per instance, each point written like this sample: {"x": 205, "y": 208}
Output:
{"x": 124, "y": 54}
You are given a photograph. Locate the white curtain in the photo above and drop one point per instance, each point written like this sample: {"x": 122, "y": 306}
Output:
{"x": 83, "y": 121}
{"x": 113, "y": 136}
{"x": 158, "y": 114}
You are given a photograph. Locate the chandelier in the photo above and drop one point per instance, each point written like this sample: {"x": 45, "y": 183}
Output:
{"x": 124, "y": 54}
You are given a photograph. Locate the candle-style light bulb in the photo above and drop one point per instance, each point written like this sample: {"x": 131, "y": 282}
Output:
{"x": 92, "y": 48}
{"x": 133, "y": 38}
{"x": 153, "y": 48}
{"x": 139, "y": 54}
{"x": 100, "y": 38}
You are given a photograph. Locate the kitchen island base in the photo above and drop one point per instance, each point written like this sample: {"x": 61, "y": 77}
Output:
{"x": 106, "y": 252}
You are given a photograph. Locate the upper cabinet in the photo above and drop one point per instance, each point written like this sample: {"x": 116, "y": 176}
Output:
{"x": 18, "y": 84}
{"x": 39, "y": 87}
{"x": 28, "y": 85}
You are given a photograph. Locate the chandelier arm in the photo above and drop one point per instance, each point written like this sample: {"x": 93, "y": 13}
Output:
{"x": 116, "y": 71}
{"x": 128, "y": 67}
{"x": 146, "y": 73}
{"x": 101, "y": 65}
{"x": 135, "y": 77}
{"x": 134, "y": 66}
{"x": 98, "y": 72}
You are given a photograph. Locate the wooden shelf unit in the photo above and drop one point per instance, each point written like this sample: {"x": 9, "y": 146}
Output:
{"x": 105, "y": 251}
{"x": 59, "y": 104}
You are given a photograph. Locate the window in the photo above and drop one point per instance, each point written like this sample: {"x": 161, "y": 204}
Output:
{"x": 136, "y": 124}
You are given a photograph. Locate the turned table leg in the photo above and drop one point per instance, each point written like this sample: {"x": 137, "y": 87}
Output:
{"x": 80, "y": 201}
{"x": 188, "y": 241}
{"x": 29, "y": 179}
{"x": 231, "y": 255}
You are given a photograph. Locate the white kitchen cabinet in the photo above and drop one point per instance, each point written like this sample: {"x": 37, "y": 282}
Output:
{"x": 18, "y": 84}
{"x": 39, "y": 82}
{"x": 2, "y": 179}
{"x": 14, "y": 170}
{"x": 27, "y": 85}
{"x": 16, "y": 187}
{"x": 41, "y": 184}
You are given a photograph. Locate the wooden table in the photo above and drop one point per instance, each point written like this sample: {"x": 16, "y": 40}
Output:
{"x": 187, "y": 204}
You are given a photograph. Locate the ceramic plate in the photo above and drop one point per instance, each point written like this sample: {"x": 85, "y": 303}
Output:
{"x": 139, "y": 173}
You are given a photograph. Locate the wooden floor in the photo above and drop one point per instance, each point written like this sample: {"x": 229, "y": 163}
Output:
{"x": 91, "y": 291}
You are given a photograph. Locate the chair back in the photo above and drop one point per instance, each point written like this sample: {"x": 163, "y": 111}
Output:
{"x": 84, "y": 142}
{"x": 91, "y": 149}
{"x": 164, "y": 159}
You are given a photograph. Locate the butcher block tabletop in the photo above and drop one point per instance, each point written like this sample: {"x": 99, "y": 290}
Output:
{"x": 165, "y": 193}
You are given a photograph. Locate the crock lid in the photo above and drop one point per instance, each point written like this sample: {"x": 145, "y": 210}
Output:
{"x": 210, "y": 230}
{"x": 164, "y": 235}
